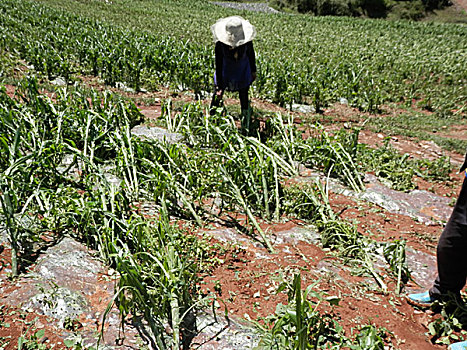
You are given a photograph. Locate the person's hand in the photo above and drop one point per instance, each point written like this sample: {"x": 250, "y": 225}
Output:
{"x": 219, "y": 92}
{"x": 253, "y": 75}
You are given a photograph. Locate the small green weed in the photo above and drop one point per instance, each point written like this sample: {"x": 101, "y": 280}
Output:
{"x": 370, "y": 337}
{"x": 33, "y": 342}
{"x": 301, "y": 325}
{"x": 449, "y": 326}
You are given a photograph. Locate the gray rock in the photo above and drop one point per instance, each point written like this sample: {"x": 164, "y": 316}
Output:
{"x": 307, "y": 234}
{"x": 3, "y": 231}
{"x": 70, "y": 170}
{"x": 67, "y": 284}
{"x": 328, "y": 268}
{"x": 292, "y": 236}
{"x": 22, "y": 220}
{"x": 221, "y": 333}
{"x": 155, "y": 133}
{"x": 59, "y": 81}
{"x": 59, "y": 303}
{"x": 67, "y": 260}
{"x": 230, "y": 235}
{"x": 422, "y": 267}
{"x": 303, "y": 108}
{"x": 241, "y": 6}
{"x": 123, "y": 87}
{"x": 112, "y": 179}
{"x": 424, "y": 206}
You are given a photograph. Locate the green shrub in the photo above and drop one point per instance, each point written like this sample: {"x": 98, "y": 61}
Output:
{"x": 405, "y": 9}
{"x": 370, "y": 8}
{"x": 408, "y": 9}
{"x": 435, "y": 4}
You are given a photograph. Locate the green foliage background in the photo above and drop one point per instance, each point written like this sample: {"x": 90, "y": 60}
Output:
{"x": 147, "y": 43}
{"x": 301, "y": 59}
{"x": 413, "y": 9}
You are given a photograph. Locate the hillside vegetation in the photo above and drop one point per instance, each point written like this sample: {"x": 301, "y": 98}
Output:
{"x": 71, "y": 165}
{"x": 302, "y": 59}
{"x": 409, "y": 9}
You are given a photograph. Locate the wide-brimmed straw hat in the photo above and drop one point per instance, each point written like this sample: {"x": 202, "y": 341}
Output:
{"x": 233, "y": 31}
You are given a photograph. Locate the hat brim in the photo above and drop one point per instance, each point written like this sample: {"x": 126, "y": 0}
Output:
{"x": 220, "y": 34}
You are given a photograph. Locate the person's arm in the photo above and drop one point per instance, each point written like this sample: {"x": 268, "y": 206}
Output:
{"x": 251, "y": 57}
{"x": 219, "y": 61}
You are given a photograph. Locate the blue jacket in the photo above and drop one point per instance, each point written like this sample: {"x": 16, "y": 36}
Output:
{"x": 234, "y": 67}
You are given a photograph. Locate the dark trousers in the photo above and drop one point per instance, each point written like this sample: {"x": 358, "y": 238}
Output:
{"x": 242, "y": 94}
{"x": 452, "y": 250}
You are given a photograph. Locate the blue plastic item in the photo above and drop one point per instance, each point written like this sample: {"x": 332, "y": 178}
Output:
{"x": 420, "y": 299}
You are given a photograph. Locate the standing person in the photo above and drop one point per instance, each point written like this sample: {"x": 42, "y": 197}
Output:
{"x": 451, "y": 255}
{"x": 235, "y": 62}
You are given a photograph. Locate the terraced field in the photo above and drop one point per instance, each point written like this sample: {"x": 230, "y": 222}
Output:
{"x": 123, "y": 200}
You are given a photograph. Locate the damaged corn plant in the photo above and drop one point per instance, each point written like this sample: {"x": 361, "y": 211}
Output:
{"x": 63, "y": 39}
{"x": 71, "y": 166}
{"x": 249, "y": 174}
{"x": 60, "y": 158}
{"x": 310, "y": 203}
